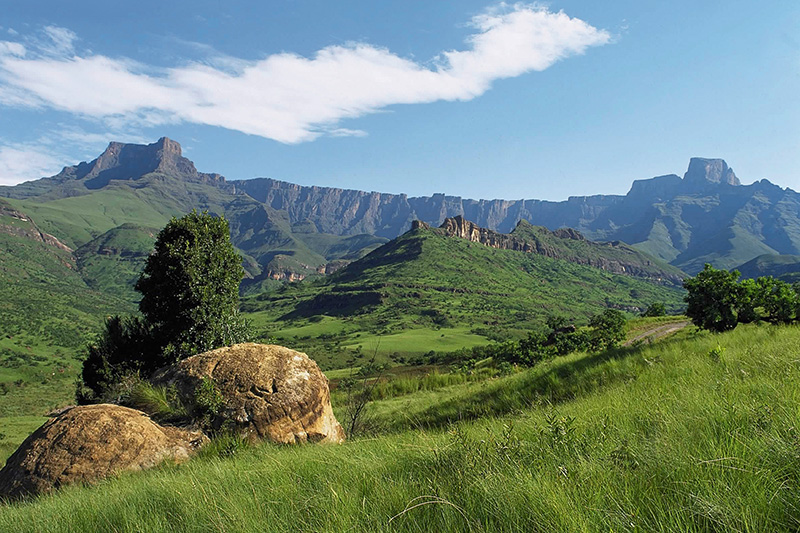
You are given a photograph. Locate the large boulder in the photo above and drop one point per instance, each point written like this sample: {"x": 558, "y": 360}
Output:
{"x": 265, "y": 391}
{"x": 87, "y": 443}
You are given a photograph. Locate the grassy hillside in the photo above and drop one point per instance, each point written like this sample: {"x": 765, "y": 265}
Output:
{"x": 443, "y": 287}
{"x": 47, "y": 313}
{"x": 112, "y": 262}
{"x": 589, "y": 252}
{"x": 669, "y": 437}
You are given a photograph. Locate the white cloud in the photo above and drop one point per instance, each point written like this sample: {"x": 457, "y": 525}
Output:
{"x": 58, "y": 41}
{"x": 48, "y": 154}
{"x": 8, "y": 48}
{"x": 20, "y": 163}
{"x": 287, "y": 97}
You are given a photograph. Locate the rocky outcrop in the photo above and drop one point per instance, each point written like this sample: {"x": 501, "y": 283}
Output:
{"x": 21, "y": 225}
{"x": 459, "y": 227}
{"x": 88, "y": 443}
{"x": 267, "y": 391}
{"x": 564, "y": 243}
{"x": 703, "y": 172}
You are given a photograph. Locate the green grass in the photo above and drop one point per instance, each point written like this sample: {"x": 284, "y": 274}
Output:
{"x": 14, "y": 430}
{"x": 416, "y": 341}
{"x": 657, "y": 438}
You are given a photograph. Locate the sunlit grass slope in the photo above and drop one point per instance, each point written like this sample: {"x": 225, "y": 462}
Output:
{"x": 692, "y": 434}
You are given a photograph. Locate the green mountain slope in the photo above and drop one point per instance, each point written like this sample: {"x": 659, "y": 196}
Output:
{"x": 784, "y": 267}
{"x": 146, "y": 186}
{"x": 424, "y": 280}
{"x": 47, "y": 313}
{"x": 112, "y": 262}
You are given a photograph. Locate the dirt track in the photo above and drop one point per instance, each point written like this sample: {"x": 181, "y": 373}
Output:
{"x": 657, "y": 332}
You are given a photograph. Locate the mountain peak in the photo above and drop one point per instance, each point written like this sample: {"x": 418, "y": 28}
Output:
{"x": 124, "y": 161}
{"x": 704, "y": 171}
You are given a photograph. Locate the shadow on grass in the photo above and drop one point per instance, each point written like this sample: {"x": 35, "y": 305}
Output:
{"x": 563, "y": 381}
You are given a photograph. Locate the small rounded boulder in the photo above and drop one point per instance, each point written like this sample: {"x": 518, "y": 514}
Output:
{"x": 88, "y": 443}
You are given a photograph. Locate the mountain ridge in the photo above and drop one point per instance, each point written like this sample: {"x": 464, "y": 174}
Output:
{"x": 705, "y": 216}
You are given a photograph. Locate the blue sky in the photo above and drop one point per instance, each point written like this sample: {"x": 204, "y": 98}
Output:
{"x": 469, "y": 98}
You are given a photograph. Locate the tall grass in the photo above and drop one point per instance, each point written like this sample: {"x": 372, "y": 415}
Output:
{"x": 668, "y": 437}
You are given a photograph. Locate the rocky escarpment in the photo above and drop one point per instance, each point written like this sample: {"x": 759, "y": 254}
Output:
{"x": 118, "y": 162}
{"x": 706, "y": 215}
{"x": 564, "y": 243}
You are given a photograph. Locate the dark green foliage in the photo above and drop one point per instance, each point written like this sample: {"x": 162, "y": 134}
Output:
{"x": 126, "y": 346}
{"x": 713, "y": 299}
{"x": 189, "y": 305}
{"x": 608, "y": 330}
{"x": 556, "y": 321}
{"x": 190, "y": 287}
{"x": 655, "y": 309}
{"x": 717, "y": 302}
{"x": 779, "y": 300}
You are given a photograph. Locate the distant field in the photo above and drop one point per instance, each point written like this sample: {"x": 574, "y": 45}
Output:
{"x": 334, "y": 342}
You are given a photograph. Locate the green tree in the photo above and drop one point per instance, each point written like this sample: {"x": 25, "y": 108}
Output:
{"x": 190, "y": 287}
{"x": 778, "y": 299}
{"x": 190, "y": 298}
{"x": 747, "y": 301}
{"x": 655, "y": 309}
{"x": 713, "y": 299}
{"x": 608, "y": 330}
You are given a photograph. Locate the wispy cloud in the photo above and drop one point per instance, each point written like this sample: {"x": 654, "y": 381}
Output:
{"x": 21, "y": 162}
{"x": 288, "y": 97}
{"x": 48, "y": 154}
{"x": 57, "y": 41}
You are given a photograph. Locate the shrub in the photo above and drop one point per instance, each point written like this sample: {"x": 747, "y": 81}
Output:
{"x": 713, "y": 299}
{"x": 608, "y": 330}
{"x": 655, "y": 309}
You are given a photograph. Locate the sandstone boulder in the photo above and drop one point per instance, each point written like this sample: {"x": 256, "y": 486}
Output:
{"x": 267, "y": 392}
{"x": 87, "y": 443}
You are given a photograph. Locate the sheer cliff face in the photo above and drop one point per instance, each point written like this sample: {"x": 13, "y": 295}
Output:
{"x": 342, "y": 211}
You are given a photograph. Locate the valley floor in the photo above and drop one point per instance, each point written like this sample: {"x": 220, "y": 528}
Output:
{"x": 695, "y": 433}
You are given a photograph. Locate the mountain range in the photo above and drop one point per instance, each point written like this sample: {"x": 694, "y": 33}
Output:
{"x": 288, "y": 231}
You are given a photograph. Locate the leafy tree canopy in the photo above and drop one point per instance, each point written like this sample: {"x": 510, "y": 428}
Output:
{"x": 190, "y": 286}
{"x": 190, "y": 298}
{"x": 713, "y": 299}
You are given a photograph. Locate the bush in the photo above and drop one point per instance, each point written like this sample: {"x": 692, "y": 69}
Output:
{"x": 718, "y": 303}
{"x": 655, "y": 309}
{"x": 608, "y": 330}
{"x": 126, "y": 346}
{"x": 713, "y": 299}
